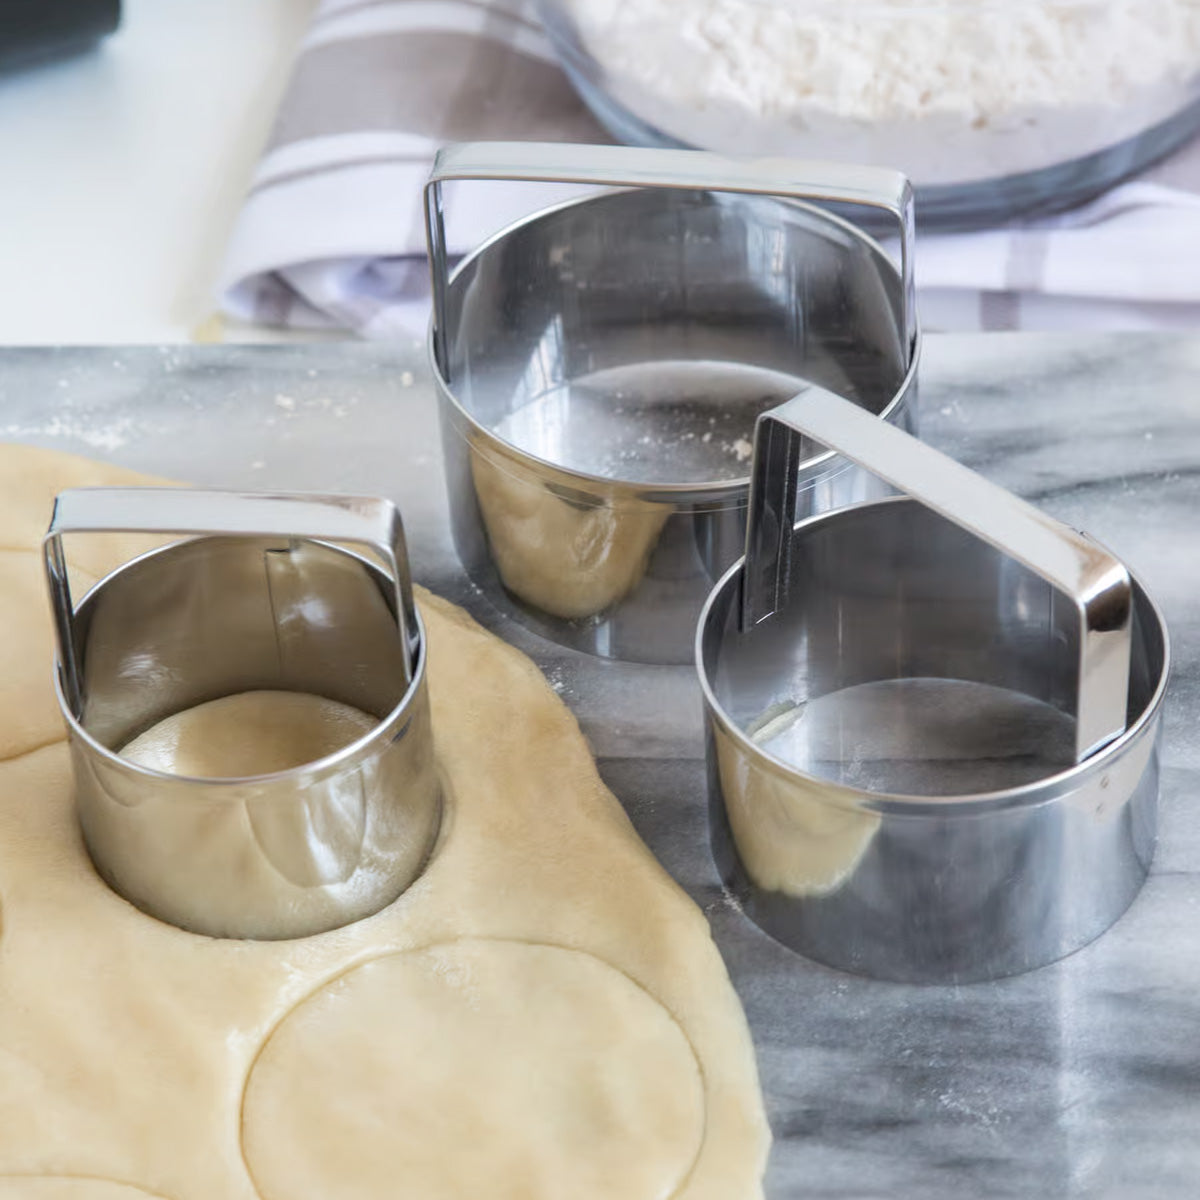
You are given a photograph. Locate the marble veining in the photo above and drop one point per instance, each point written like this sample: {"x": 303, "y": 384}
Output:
{"x": 1078, "y": 1080}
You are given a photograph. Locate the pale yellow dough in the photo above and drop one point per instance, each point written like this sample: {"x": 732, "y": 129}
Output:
{"x": 128, "y": 1047}
{"x": 250, "y": 733}
{"x": 608, "y": 1090}
{"x": 49, "y": 1187}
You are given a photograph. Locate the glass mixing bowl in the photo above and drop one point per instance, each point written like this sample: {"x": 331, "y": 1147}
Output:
{"x": 991, "y": 108}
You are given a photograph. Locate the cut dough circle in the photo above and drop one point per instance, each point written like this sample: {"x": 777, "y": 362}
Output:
{"x": 126, "y": 1044}
{"x": 555, "y": 1075}
{"x": 248, "y": 734}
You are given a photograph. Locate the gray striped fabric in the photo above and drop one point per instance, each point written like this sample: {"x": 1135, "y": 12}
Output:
{"x": 332, "y": 235}
{"x": 331, "y": 232}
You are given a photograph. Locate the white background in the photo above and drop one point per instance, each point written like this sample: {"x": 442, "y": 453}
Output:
{"x": 121, "y": 171}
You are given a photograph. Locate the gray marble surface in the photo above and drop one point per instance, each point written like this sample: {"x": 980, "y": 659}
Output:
{"x": 1078, "y": 1080}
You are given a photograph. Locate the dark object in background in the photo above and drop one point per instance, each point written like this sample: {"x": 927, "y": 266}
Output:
{"x": 31, "y": 30}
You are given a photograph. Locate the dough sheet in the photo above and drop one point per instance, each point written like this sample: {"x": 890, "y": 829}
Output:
{"x": 543, "y": 1004}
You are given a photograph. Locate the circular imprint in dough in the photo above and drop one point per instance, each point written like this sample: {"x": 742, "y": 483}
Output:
{"x": 475, "y": 1068}
{"x": 248, "y": 734}
{"x": 68, "y": 1187}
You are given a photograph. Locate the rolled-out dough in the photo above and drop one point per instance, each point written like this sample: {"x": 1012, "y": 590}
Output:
{"x": 51, "y": 1187}
{"x": 250, "y": 733}
{"x": 524, "y": 1066}
{"x": 128, "y": 1046}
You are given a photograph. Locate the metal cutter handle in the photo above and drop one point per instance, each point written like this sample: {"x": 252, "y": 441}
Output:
{"x": 1095, "y": 582}
{"x": 360, "y": 520}
{"x": 626, "y": 166}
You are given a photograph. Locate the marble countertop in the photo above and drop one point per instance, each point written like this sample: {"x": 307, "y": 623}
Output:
{"x": 1078, "y": 1080}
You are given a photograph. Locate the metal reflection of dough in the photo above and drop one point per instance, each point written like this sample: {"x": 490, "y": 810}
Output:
{"x": 319, "y": 839}
{"x": 505, "y": 1035}
{"x": 235, "y": 864}
{"x": 568, "y": 559}
{"x": 260, "y": 856}
{"x": 792, "y": 835}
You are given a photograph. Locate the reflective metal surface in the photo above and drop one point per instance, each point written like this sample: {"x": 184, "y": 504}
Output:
{"x": 1082, "y": 575}
{"x": 271, "y": 856}
{"x": 894, "y": 751}
{"x": 1075, "y": 1080}
{"x": 600, "y": 367}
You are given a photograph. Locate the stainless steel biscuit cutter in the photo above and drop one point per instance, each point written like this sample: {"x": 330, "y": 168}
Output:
{"x": 933, "y": 719}
{"x": 600, "y": 365}
{"x": 261, "y": 594}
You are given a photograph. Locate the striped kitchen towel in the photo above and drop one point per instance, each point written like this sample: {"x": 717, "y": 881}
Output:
{"x": 332, "y": 232}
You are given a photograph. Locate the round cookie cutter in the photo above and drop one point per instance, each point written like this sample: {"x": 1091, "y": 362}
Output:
{"x": 933, "y": 720}
{"x": 600, "y": 365}
{"x": 261, "y": 594}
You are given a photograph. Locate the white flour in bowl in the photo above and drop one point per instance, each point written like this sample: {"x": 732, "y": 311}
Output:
{"x": 948, "y": 92}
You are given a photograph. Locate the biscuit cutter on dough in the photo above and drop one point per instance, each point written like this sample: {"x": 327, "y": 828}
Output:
{"x": 259, "y": 593}
{"x": 600, "y": 364}
{"x": 933, "y": 720}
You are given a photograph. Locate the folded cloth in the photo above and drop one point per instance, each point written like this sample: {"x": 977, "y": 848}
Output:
{"x": 1124, "y": 261}
{"x": 332, "y": 231}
